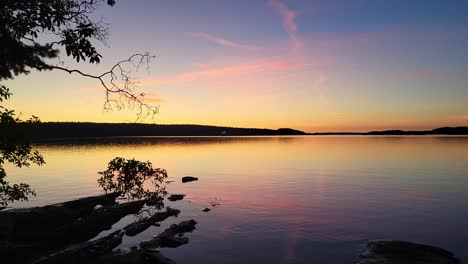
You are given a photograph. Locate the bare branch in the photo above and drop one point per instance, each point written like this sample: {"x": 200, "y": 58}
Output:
{"x": 120, "y": 92}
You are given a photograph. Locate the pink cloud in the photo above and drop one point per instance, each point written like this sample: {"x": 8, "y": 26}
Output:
{"x": 288, "y": 16}
{"x": 213, "y": 72}
{"x": 224, "y": 42}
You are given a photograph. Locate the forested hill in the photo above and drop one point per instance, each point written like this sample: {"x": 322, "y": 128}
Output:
{"x": 71, "y": 129}
{"x": 437, "y": 131}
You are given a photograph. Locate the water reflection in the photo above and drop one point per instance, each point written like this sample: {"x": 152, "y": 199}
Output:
{"x": 285, "y": 199}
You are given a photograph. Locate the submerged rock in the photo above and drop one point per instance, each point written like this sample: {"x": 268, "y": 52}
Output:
{"x": 189, "y": 179}
{"x": 171, "y": 237}
{"x": 400, "y": 252}
{"x": 206, "y": 210}
{"x": 103, "y": 250}
{"x": 141, "y": 225}
{"x": 176, "y": 197}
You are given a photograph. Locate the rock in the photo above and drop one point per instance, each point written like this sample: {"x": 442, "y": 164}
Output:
{"x": 400, "y": 252}
{"x": 206, "y": 210}
{"x": 171, "y": 237}
{"x": 172, "y": 241}
{"x": 141, "y": 225}
{"x": 101, "y": 219}
{"x": 189, "y": 179}
{"x": 134, "y": 256}
{"x": 85, "y": 252}
{"x": 29, "y": 232}
{"x": 176, "y": 197}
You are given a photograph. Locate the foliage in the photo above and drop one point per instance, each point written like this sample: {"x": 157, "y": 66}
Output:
{"x": 129, "y": 177}
{"x": 16, "y": 149}
{"x": 67, "y": 23}
{"x": 32, "y": 33}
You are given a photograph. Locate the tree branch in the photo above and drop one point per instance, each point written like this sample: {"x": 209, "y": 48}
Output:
{"x": 119, "y": 88}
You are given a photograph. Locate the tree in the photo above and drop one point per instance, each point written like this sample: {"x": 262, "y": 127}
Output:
{"x": 65, "y": 24}
{"x": 32, "y": 34}
{"x": 16, "y": 149}
{"x": 133, "y": 179}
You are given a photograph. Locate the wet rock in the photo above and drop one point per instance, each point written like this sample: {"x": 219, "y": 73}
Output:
{"x": 101, "y": 219}
{"x": 171, "y": 237}
{"x": 176, "y": 197}
{"x": 206, "y": 210}
{"x": 85, "y": 252}
{"x": 57, "y": 214}
{"x": 400, "y": 252}
{"x": 141, "y": 225}
{"x": 31, "y": 231}
{"x": 83, "y": 255}
{"x": 189, "y": 179}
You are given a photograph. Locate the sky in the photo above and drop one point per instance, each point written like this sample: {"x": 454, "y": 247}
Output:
{"x": 313, "y": 65}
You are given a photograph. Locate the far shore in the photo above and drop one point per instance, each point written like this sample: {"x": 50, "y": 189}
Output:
{"x": 62, "y": 130}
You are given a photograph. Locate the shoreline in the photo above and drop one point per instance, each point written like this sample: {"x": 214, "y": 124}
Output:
{"x": 46, "y": 246}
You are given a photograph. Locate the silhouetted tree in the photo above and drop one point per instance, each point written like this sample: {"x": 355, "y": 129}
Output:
{"x": 133, "y": 179}
{"x": 15, "y": 149}
{"x": 31, "y": 35}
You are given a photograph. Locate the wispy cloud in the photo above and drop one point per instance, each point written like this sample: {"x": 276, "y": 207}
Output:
{"x": 289, "y": 20}
{"x": 214, "y": 72}
{"x": 224, "y": 42}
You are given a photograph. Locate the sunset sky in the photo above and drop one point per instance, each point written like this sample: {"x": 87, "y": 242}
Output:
{"x": 313, "y": 65}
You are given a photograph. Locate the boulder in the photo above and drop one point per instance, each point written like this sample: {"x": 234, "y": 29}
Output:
{"x": 189, "y": 179}
{"x": 171, "y": 237}
{"x": 176, "y": 197}
{"x": 400, "y": 252}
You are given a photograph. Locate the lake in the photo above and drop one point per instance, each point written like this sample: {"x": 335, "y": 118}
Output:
{"x": 314, "y": 199}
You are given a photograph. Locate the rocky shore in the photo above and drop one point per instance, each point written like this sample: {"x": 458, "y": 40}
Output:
{"x": 63, "y": 233}
{"x": 60, "y": 233}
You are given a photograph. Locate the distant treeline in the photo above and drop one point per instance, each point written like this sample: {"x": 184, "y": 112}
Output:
{"x": 48, "y": 130}
{"x": 437, "y": 131}
{"x": 57, "y": 130}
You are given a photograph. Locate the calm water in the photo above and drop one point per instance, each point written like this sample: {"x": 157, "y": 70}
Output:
{"x": 284, "y": 199}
